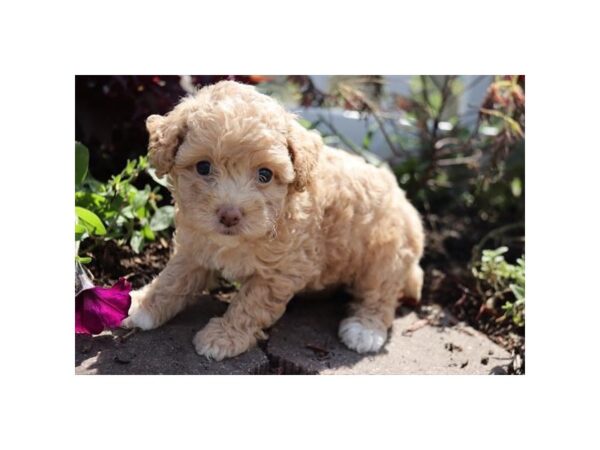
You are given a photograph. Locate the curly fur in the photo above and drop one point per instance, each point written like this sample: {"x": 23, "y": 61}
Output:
{"x": 327, "y": 218}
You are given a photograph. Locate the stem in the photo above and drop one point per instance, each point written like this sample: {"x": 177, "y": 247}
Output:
{"x": 432, "y": 140}
{"x": 343, "y": 138}
{"x": 445, "y": 95}
{"x": 388, "y": 140}
{"x": 492, "y": 234}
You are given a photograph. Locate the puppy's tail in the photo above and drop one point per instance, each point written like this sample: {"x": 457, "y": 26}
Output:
{"x": 413, "y": 284}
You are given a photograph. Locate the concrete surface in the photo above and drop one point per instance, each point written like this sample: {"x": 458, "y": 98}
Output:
{"x": 304, "y": 341}
{"x": 166, "y": 350}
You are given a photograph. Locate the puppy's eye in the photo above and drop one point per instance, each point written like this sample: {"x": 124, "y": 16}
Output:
{"x": 264, "y": 175}
{"x": 203, "y": 167}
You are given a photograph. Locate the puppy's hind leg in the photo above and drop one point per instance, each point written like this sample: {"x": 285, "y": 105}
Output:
{"x": 365, "y": 330}
{"x": 414, "y": 283}
{"x": 376, "y": 293}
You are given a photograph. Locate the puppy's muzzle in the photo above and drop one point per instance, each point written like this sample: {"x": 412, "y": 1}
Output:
{"x": 229, "y": 216}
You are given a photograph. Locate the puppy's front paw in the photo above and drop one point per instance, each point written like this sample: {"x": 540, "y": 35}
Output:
{"x": 218, "y": 341}
{"x": 360, "y": 337}
{"x": 139, "y": 316}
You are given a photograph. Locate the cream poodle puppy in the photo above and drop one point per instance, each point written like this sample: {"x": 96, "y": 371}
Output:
{"x": 263, "y": 201}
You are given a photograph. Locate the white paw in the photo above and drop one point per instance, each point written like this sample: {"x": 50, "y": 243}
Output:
{"x": 139, "y": 318}
{"x": 360, "y": 338}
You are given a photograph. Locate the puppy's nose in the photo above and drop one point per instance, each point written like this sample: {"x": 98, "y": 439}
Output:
{"x": 229, "y": 215}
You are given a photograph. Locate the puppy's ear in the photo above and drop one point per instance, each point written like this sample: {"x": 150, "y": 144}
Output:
{"x": 304, "y": 147}
{"x": 166, "y": 134}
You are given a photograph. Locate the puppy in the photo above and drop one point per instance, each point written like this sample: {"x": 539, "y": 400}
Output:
{"x": 263, "y": 200}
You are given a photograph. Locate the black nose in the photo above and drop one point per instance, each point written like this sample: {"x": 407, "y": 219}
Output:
{"x": 229, "y": 215}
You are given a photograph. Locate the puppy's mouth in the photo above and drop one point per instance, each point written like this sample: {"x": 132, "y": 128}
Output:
{"x": 228, "y": 231}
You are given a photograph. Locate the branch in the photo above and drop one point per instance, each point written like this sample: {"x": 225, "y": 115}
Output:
{"x": 445, "y": 92}
{"x": 445, "y": 95}
{"x": 398, "y": 151}
{"x": 351, "y": 145}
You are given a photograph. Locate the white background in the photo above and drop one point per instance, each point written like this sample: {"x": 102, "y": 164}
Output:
{"x": 44, "y": 44}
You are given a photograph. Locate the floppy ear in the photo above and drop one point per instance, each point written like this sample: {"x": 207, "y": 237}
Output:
{"x": 304, "y": 147}
{"x": 166, "y": 134}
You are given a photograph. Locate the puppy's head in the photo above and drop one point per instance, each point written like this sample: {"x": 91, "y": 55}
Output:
{"x": 233, "y": 157}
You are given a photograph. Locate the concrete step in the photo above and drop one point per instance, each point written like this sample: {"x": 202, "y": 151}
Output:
{"x": 304, "y": 341}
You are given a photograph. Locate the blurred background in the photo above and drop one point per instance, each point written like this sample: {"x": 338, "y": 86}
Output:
{"x": 455, "y": 143}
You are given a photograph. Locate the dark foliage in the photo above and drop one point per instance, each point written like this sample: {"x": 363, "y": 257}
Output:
{"x": 110, "y": 112}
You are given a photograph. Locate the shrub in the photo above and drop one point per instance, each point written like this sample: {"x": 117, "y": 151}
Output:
{"x": 117, "y": 210}
{"x": 501, "y": 282}
{"x": 443, "y": 161}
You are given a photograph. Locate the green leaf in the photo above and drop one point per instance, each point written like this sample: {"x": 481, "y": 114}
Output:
{"x": 90, "y": 200}
{"x": 516, "y": 187}
{"x": 130, "y": 167}
{"x": 80, "y": 228}
{"x": 80, "y": 232}
{"x": 148, "y": 233}
{"x": 127, "y": 212}
{"x": 140, "y": 213}
{"x": 518, "y": 291}
{"x": 84, "y": 259}
{"x": 82, "y": 159}
{"x": 435, "y": 101}
{"x": 121, "y": 220}
{"x": 90, "y": 221}
{"x": 93, "y": 184}
{"x": 306, "y": 123}
{"x": 140, "y": 198}
{"x": 367, "y": 140}
{"x": 162, "y": 219}
{"x": 137, "y": 241}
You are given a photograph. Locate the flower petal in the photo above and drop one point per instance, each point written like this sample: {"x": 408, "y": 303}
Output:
{"x": 99, "y": 308}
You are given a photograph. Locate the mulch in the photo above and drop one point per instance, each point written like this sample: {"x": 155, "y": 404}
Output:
{"x": 111, "y": 261}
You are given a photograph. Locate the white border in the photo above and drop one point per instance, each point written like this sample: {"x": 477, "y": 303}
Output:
{"x": 46, "y": 43}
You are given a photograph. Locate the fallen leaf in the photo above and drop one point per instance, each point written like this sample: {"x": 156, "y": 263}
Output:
{"x": 415, "y": 326}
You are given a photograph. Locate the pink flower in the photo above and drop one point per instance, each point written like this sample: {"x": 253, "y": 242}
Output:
{"x": 98, "y": 308}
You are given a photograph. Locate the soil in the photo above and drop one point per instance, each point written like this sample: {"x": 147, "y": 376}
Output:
{"x": 448, "y": 280}
{"x": 450, "y": 283}
{"x": 111, "y": 261}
